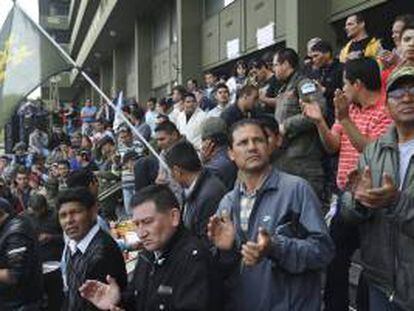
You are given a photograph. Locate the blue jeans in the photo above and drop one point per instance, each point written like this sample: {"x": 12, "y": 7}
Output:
{"x": 378, "y": 301}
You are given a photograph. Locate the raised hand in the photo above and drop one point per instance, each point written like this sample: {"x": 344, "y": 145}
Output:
{"x": 341, "y": 104}
{"x": 254, "y": 252}
{"x": 221, "y": 232}
{"x": 103, "y": 296}
{"x": 313, "y": 112}
{"x": 380, "y": 197}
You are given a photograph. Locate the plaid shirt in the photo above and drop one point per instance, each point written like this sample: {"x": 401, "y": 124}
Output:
{"x": 246, "y": 206}
{"x": 247, "y": 201}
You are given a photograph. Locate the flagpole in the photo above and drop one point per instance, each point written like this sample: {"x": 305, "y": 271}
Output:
{"x": 96, "y": 87}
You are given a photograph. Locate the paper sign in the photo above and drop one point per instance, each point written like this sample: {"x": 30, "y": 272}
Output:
{"x": 265, "y": 36}
{"x": 233, "y": 48}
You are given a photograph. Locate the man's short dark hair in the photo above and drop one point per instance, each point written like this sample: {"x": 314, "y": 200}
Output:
{"x": 221, "y": 86}
{"x": 166, "y": 126}
{"x": 269, "y": 122}
{"x": 220, "y": 139}
{"x": 259, "y": 64}
{"x": 209, "y": 73}
{"x": 77, "y": 194}
{"x": 359, "y": 17}
{"x": 322, "y": 47}
{"x": 81, "y": 178}
{"x": 152, "y": 100}
{"x": 288, "y": 55}
{"x": 180, "y": 89}
{"x": 242, "y": 123}
{"x": 163, "y": 102}
{"x": 139, "y": 113}
{"x": 64, "y": 162}
{"x": 189, "y": 94}
{"x": 194, "y": 81}
{"x": 37, "y": 201}
{"x": 366, "y": 70}
{"x": 183, "y": 155}
{"x": 247, "y": 90}
{"x": 404, "y": 18}
{"x": 408, "y": 26}
{"x": 21, "y": 170}
{"x": 162, "y": 196}
{"x": 37, "y": 158}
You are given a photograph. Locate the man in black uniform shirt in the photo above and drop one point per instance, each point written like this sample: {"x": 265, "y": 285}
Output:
{"x": 91, "y": 252}
{"x": 172, "y": 271}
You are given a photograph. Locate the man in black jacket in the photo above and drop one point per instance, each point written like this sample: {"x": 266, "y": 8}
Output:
{"x": 243, "y": 108}
{"x": 202, "y": 190}
{"x": 50, "y": 240}
{"x": 172, "y": 271}
{"x": 328, "y": 71}
{"x": 91, "y": 252}
{"x": 20, "y": 273}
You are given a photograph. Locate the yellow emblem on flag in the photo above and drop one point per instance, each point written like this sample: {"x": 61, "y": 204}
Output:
{"x": 11, "y": 56}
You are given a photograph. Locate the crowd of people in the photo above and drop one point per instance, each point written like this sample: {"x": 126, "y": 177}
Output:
{"x": 264, "y": 183}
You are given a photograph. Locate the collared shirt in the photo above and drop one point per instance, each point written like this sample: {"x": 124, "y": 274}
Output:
{"x": 82, "y": 245}
{"x": 247, "y": 200}
{"x": 151, "y": 118}
{"x": 406, "y": 151}
{"x": 187, "y": 193}
{"x": 372, "y": 121}
{"x": 216, "y": 111}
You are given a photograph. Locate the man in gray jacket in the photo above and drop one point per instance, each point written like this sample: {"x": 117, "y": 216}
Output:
{"x": 382, "y": 202}
{"x": 272, "y": 243}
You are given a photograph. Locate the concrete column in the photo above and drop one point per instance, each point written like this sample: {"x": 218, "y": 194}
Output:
{"x": 119, "y": 70}
{"x": 189, "y": 18}
{"x": 304, "y": 20}
{"x": 142, "y": 59}
{"x": 113, "y": 89}
{"x": 106, "y": 77}
{"x": 101, "y": 80}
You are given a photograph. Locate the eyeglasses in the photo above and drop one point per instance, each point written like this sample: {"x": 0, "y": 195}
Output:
{"x": 400, "y": 93}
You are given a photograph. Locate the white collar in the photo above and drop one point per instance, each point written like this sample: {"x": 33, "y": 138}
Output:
{"x": 84, "y": 243}
{"x": 187, "y": 191}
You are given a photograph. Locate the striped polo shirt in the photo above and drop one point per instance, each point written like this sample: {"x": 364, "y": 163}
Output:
{"x": 372, "y": 121}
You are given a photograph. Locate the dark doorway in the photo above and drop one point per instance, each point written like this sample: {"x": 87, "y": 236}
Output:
{"x": 379, "y": 20}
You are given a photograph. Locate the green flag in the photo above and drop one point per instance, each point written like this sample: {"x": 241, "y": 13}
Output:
{"x": 27, "y": 59}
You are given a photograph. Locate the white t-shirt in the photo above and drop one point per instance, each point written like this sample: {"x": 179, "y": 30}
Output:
{"x": 406, "y": 152}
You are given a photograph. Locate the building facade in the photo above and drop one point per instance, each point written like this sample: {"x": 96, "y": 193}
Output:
{"x": 53, "y": 17}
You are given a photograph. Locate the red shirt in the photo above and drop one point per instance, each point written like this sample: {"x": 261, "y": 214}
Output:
{"x": 372, "y": 121}
{"x": 384, "y": 77}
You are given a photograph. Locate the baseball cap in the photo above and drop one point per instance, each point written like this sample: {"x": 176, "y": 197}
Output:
{"x": 402, "y": 72}
{"x": 20, "y": 146}
{"x": 213, "y": 126}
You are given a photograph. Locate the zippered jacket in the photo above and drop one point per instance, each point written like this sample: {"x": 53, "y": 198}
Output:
{"x": 386, "y": 234}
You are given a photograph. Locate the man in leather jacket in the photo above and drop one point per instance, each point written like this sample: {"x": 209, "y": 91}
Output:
{"x": 20, "y": 274}
{"x": 172, "y": 272}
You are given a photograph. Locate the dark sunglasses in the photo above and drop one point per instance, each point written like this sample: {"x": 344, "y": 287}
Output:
{"x": 400, "y": 93}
